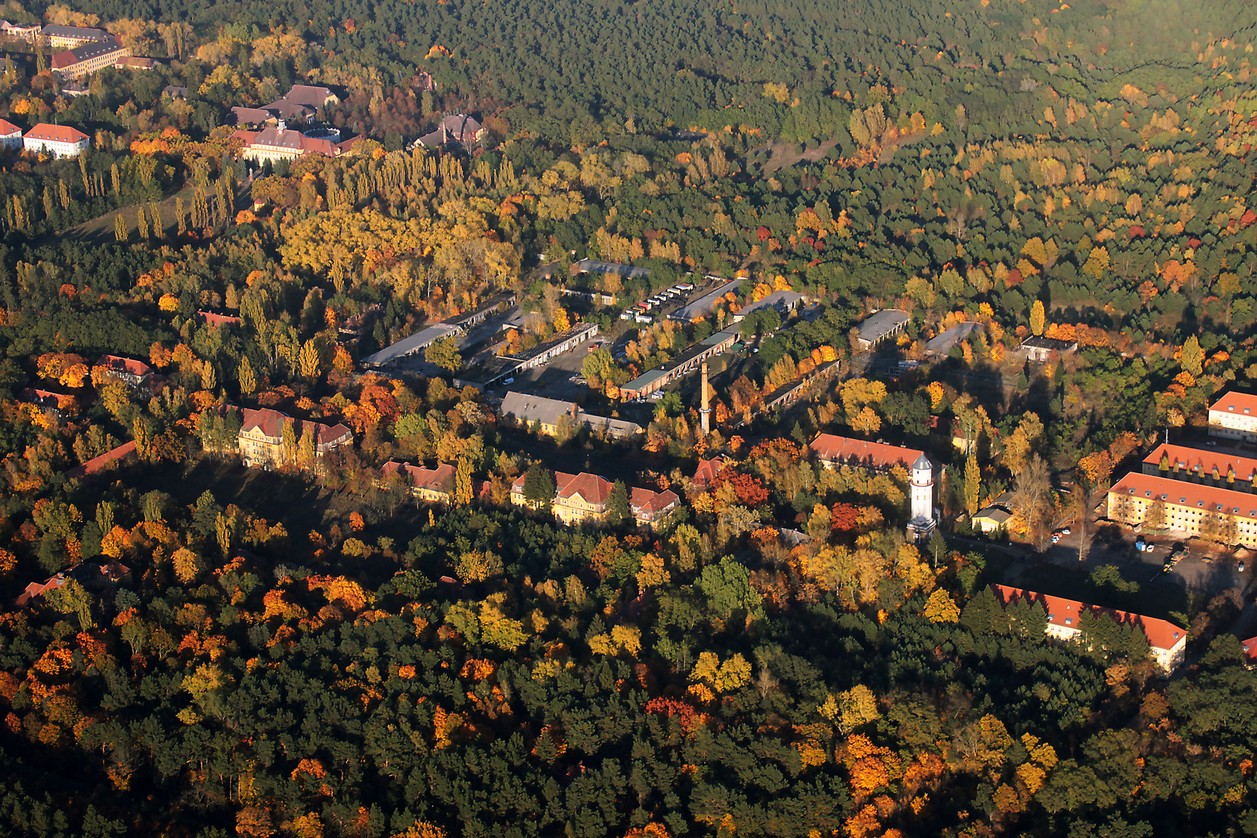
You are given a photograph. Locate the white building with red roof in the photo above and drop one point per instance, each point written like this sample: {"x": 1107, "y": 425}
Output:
{"x": 10, "y": 136}
{"x": 1226, "y": 516}
{"x": 1167, "y": 642}
{"x": 55, "y": 140}
{"x": 1234, "y": 416}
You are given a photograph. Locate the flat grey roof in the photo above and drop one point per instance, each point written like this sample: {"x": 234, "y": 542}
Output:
{"x": 781, "y": 299}
{"x": 594, "y": 266}
{"x": 410, "y": 345}
{"x": 648, "y": 377}
{"x": 881, "y": 323}
{"x": 704, "y": 304}
{"x": 948, "y": 338}
{"x": 526, "y": 407}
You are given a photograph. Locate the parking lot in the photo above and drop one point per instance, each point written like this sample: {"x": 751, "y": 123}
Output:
{"x": 1204, "y": 572}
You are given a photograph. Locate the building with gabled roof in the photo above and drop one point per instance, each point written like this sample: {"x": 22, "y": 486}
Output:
{"x": 707, "y": 472}
{"x": 130, "y": 371}
{"x": 311, "y": 96}
{"x": 580, "y": 497}
{"x": 278, "y": 143}
{"x": 1167, "y": 642}
{"x": 60, "y": 36}
{"x": 1221, "y": 467}
{"x": 10, "y": 136}
{"x": 1250, "y": 650}
{"x": 21, "y": 31}
{"x": 55, "y": 140}
{"x": 833, "y": 450}
{"x": 110, "y": 459}
{"x": 879, "y": 326}
{"x": 650, "y": 507}
{"x": 261, "y": 440}
{"x": 583, "y": 498}
{"x": 435, "y": 485}
{"x": 1234, "y": 416}
{"x": 537, "y": 411}
{"x": 1225, "y": 516}
{"x": 88, "y": 58}
{"x": 213, "y": 318}
{"x": 459, "y": 129}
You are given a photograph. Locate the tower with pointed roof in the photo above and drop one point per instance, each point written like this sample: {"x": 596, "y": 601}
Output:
{"x": 921, "y": 494}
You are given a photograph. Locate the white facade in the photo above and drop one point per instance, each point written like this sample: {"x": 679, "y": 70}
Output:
{"x": 56, "y": 141}
{"x": 10, "y": 141}
{"x": 921, "y": 497}
{"x": 1234, "y": 416}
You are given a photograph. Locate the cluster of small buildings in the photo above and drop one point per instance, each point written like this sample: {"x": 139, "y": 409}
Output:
{"x": 584, "y": 498}
{"x": 302, "y": 103}
{"x": 641, "y": 312}
{"x": 1166, "y": 641}
{"x": 44, "y": 138}
{"x": 1210, "y": 492}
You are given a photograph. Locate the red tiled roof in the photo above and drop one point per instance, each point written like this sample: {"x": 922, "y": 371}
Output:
{"x": 646, "y": 503}
{"x": 708, "y": 470}
{"x": 98, "y": 464}
{"x": 1250, "y": 649}
{"x": 439, "y": 479}
{"x": 834, "y": 448}
{"x": 35, "y": 589}
{"x": 1183, "y": 493}
{"x": 594, "y": 489}
{"x": 1241, "y": 403}
{"x": 287, "y": 138}
{"x": 130, "y": 365}
{"x": 212, "y": 318}
{"x": 1065, "y": 613}
{"x": 8, "y": 129}
{"x": 56, "y": 133}
{"x": 269, "y": 422}
{"x": 1202, "y": 461}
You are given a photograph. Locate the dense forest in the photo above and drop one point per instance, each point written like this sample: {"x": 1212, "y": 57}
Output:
{"x": 308, "y": 651}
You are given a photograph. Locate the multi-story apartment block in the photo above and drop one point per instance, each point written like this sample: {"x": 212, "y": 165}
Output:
{"x": 1166, "y": 641}
{"x": 1234, "y": 416}
{"x": 56, "y": 140}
